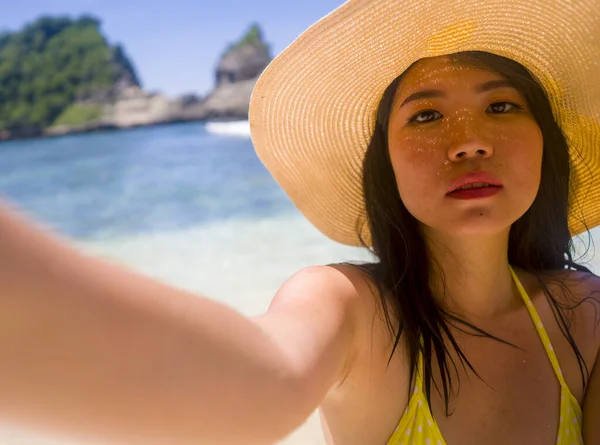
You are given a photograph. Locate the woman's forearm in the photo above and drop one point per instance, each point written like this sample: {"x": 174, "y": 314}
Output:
{"x": 91, "y": 350}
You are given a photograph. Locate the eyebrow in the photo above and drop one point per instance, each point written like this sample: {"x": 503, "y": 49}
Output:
{"x": 482, "y": 88}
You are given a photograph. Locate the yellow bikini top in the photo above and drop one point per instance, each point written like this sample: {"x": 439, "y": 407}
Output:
{"x": 418, "y": 427}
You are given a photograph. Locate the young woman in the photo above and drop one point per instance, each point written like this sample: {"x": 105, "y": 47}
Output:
{"x": 458, "y": 140}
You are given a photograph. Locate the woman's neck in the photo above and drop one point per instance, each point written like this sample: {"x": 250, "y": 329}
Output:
{"x": 470, "y": 275}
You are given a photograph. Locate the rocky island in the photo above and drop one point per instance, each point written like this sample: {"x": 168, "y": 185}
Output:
{"x": 60, "y": 76}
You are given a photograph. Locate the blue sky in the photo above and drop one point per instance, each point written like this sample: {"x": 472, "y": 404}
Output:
{"x": 175, "y": 44}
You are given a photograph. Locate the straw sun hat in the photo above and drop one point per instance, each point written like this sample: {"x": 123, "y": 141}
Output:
{"x": 313, "y": 110}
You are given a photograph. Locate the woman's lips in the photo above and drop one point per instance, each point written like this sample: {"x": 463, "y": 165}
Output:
{"x": 477, "y": 178}
{"x": 474, "y": 193}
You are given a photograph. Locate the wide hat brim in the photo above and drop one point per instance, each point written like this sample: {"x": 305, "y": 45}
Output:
{"x": 313, "y": 110}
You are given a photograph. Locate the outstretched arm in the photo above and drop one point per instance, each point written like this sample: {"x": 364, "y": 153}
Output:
{"x": 92, "y": 351}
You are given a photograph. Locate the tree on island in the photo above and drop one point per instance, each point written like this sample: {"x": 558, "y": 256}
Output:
{"x": 50, "y": 65}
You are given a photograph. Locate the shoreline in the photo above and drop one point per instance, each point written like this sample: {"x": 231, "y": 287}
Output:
{"x": 106, "y": 127}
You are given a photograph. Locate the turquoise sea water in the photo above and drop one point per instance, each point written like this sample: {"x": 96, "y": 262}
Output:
{"x": 101, "y": 186}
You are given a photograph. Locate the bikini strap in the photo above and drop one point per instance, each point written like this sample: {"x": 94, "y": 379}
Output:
{"x": 420, "y": 372}
{"x": 540, "y": 329}
{"x": 419, "y": 376}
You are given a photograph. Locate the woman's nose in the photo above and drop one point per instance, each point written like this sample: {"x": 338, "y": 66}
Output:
{"x": 469, "y": 142}
{"x": 475, "y": 148}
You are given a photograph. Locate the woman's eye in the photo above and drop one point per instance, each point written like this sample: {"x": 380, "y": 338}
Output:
{"x": 430, "y": 115}
{"x": 424, "y": 116}
{"x": 501, "y": 107}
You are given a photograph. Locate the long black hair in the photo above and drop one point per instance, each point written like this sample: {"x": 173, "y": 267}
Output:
{"x": 539, "y": 242}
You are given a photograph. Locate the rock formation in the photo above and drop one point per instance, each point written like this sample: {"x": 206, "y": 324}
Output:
{"x": 235, "y": 77}
{"x": 136, "y": 107}
{"x": 127, "y": 105}
{"x": 245, "y": 60}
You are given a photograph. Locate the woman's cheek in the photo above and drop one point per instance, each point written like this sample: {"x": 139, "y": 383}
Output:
{"x": 417, "y": 150}
{"x": 417, "y": 171}
{"x": 526, "y": 155}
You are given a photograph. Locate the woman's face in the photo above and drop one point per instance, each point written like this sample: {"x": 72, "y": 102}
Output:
{"x": 454, "y": 125}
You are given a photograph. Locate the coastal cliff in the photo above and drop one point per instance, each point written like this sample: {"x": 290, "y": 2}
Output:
{"x": 109, "y": 96}
{"x": 53, "y": 65}
{"x": 235, "y": 76}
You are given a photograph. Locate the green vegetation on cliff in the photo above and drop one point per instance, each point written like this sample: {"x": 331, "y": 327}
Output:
{"x": 253, "y": 37}
{"x": 51, "y": 64}
{"x": 79, "y": 114}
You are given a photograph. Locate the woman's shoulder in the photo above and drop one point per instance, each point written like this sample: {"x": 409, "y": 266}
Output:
{"x": 573, "y": 287}
{"x": 355, "y": 283}
{"x": 577, "y": 293}
{"x": 369, "y": 295}
{"x": 345, "y": 280}
{"x": 583, "y": 293}
{"x": 347, "y": 286}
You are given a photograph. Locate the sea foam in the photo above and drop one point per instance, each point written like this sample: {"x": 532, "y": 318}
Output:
{"x": 233, "y": 128}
